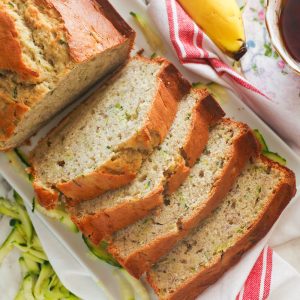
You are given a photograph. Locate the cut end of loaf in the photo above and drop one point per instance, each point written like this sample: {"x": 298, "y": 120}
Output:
{"x": 43, "y": 74}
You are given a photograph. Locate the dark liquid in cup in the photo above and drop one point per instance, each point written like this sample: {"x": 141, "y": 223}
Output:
{"x": 290, "y": 27}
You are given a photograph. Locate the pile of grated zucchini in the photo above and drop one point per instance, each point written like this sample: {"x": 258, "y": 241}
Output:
{"x": 39, "y": 279}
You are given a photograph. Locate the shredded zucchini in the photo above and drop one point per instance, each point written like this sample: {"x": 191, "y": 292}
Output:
{"x": 261, "y": 140}
{"x": 54, "y": 281}
{"x": 57, "y": 214}
{"x": 29, "y": 256}
{"x": 25, "y": 221}
{"x": 22, "y": 157}
{"x": 25, "y": 291}
{"x": 40, "y": 281}
{"x": 27, "y": 249}
{"x": 7, "y": 208}
{"x": 35, "y": 243}
{"x": 8, "y": 245}
{"x": 30, "y": 264}
{"x": 275, "y": 157}
{"x": 43, "y": 279}
{"x": 23, "y": 266}
{"x": 219, "y": 93}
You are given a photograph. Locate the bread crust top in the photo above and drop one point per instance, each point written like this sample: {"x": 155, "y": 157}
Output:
{"x": 89, "y": 32}
{"x": 10, "y": 48}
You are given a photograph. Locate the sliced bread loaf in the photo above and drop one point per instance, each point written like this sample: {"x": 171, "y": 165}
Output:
{"x": 250, "y": 209}
{"x": 229, "y": 147}
{"x": 51, "y": 52}
{"x": 162, "y": 172}
{"x": 101, "y": 144}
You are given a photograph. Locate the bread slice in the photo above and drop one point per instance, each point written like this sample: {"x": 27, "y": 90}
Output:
{"x": 257, "y": 199}
{"x": 50, "y": 53}
{"x": 140, "y": 245}
{"x": 101, "y": 144}
{"x": 162, "y": 172}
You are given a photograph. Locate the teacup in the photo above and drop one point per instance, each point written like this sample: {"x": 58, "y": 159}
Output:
{"x": 273, "y": 13}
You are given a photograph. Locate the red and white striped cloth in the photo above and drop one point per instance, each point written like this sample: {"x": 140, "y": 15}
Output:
{"x": 271, "y": 278}
{"x": 258, "y": 283}
{"x": 193, "y": 46}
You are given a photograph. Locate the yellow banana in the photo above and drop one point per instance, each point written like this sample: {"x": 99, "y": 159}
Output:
{"x": 222, "y": 22}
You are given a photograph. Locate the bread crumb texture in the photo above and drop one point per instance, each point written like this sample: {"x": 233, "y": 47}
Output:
{"x": 226, "y": 225}
{"x": 155, "y": 168}
{"x": 111, "y": 117}
{"x": 182, "y": 203}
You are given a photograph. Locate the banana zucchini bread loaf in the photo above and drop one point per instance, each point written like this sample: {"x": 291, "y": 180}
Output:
{"x": 50, "y": 52}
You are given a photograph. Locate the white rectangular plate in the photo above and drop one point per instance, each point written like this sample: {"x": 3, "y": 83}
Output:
{"x": 234, "y": 108}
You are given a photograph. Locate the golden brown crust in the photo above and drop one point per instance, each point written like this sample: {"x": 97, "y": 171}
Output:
{"x": 89, "y": 31}
{"x": 115, "y": 18}
{"x": 244, "y": 147}
{"x": 171, "y": 88}
{"x": 141, "y": 261}
{"x": 206, "y": 114}
{"x": 109, "y": 220}
{"x": 103, "y": 179}
{"x": 10, "y": 114}
{"x": 284, "y": 192}
{"x": 10, "y": 48}
{"x": 177, "y": 177}
{"x": 48, "y": 198}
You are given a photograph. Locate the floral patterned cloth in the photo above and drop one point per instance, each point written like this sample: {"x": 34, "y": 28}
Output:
{"x": 264, "y": 68}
